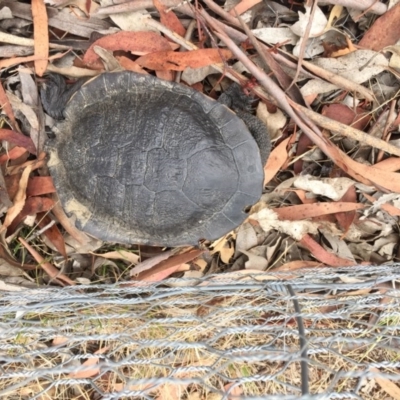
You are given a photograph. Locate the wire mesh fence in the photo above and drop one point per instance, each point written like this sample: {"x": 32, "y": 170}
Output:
{"x": 315, "y": 334}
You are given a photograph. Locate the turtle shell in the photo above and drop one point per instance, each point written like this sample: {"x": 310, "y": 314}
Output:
{"x": 141, "y": 160}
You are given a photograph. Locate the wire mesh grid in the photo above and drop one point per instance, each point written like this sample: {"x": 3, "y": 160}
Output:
{"x": 315, "y": 334}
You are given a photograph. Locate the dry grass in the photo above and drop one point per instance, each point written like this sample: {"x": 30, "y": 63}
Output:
{"x": 193, "y": 348}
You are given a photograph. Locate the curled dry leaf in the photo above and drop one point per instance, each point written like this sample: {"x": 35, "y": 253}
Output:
{"x": 318, "y": 24}
{"x": 19, "y": 199}
{"x": 268, "y": 220}
{"x": 32, "y": 206}
{"x": 333, "y": 188}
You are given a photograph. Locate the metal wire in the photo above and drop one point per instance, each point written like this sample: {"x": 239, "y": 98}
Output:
{"x": 314, "y": 334}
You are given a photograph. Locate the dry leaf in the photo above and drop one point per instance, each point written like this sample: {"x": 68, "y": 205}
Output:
{"x": 121, "y": 254}
{"x": 41, "y": 36}
{"x": 388, "y": 386}
{"x": 19, "y": 199}
{"x": 277, "y": 158}
{"x": 90, "y": 366}
{"x": 18, "y": 139}
{"x": 178, "y": 61}
{"x": 169, "y": 19}
{"x": 333, "y": 188}
{"x": 322, "y": 255}
{"x": 224, "y": 249}
{"x": 384, "y": 32}
{"x": 136, "y": 42}
{"x": 318, "y": 24}
{"x": 303, "y": 211}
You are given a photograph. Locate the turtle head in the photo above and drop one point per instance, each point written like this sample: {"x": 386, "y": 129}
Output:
{"x": 55, "y": 94}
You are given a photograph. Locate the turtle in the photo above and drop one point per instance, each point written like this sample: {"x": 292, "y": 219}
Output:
{"x": 139, "y": 160}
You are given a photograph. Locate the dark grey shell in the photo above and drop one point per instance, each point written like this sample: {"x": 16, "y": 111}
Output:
{"x": 141, "y": 160}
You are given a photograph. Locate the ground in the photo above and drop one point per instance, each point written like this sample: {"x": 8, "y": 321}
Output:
{"x": 323, "y": 79}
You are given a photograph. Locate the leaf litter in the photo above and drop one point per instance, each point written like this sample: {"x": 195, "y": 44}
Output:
{"x": 326, "y": 82}
{"x": 348, "y": 116}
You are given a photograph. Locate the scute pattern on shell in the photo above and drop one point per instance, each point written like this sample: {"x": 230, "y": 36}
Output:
{"x": 140, "y": 160}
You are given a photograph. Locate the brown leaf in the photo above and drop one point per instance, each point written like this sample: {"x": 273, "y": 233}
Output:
{"x": 387, "y": 385}
{"x": 357, "y": 118}
{"x": 169, "y": 19}
{"x": 52, "y": 233}
{"x": 39, "y": 185}
{"x": 13, "y": 154}
{"x": 303, "y": 211}
{"x": 178, "y": 61}
{"x": 6, "y": 106}
{"x": 277, "y": 158}
{"x": 35, "y": 164}
{"x": 166, "y": 75}
{"x": 124, "y": 255}
{"x": 384, "y": 32}
{"x": 52, "y": 271}
{"x": 167, "y": 267}
{"x": 299, "y": 264}
{"x": 4, "y": 254}
{"x": 136, "y": 42}
{"x": 32, "y": 206}
{"x": 390, "y": 164}
{"x": 67, "y": 224}
{"x": 302, "y": 195}
{"x": 130, "y": 65}
{"x": 345, "y": 219}
{"x": 243, "y": 6}
{"x": 304, "y": 144}
{"x": 9, "y": 62}
{"x": 40, "y": 35}
{"x": 19, "y": 200}
{"x": 322, "y": 255}
{"x": 18, "y": 139}
{"x": 90, "y": 362}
